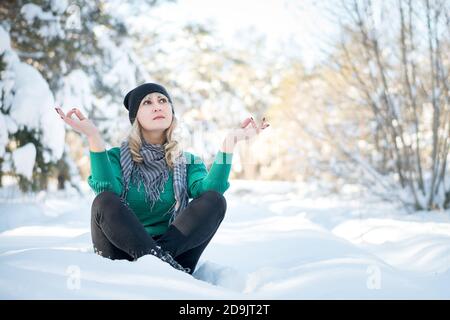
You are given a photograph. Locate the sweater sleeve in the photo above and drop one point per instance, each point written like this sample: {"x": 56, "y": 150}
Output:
{"x": 200, "y": 180}
{"x": 105, "y": 171}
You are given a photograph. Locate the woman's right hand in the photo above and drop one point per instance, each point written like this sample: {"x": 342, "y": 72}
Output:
{"x": 81, "y": 125}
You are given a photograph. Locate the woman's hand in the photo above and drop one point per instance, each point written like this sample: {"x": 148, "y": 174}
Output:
{"x": 249, "y": 128}
{"x": 81, "y": 125}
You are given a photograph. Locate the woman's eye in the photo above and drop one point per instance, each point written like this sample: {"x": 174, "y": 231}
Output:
{"x": 161, "y": 101}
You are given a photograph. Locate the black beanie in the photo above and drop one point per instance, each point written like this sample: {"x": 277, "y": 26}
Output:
{"x": 133, "y": 98}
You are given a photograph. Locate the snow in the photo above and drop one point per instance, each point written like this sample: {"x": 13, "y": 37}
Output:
{"x": 3, "y": 135}
{"x": 75, "y": 92}
{"x": 30, "y": 12}
{"x": 279, "y": 240}
{"x": 123, "y": 71}
{"x": 32, "y": 95}
{"x": 50, "y": 26}
{"x": 5, "y": 42}
{"x": 30, "y": 102}
{"x": 405, "y": 244}
{"x": 59, "y": 6}
{"x": 24, "y": 158}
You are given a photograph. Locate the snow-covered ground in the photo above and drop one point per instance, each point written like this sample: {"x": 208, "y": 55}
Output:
{"x": 277, "y": 241}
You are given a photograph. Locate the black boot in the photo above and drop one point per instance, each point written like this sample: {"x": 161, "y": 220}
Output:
{"x": 167, "y": 257}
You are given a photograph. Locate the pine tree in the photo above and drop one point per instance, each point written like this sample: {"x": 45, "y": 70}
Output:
{"x": 65, "y": 43}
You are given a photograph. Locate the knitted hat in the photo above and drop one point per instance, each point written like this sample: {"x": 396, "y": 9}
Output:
{"x": 133, "y": 98}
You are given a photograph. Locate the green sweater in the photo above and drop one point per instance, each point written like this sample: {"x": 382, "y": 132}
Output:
{"x": 106, "y": 175}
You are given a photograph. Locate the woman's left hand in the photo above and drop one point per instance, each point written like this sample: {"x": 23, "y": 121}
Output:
{"x": 249, "y": 128}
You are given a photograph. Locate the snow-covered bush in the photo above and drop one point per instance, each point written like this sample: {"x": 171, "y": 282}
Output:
{"x": 30, "y": 138}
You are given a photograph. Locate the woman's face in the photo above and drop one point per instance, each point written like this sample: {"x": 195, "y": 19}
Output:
{"x": 155, "y": 112}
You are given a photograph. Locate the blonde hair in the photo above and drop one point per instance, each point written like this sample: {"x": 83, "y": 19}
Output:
{"x": 171, "y": 146}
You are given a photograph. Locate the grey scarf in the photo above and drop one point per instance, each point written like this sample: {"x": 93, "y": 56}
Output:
{"x": 153, "y": 172}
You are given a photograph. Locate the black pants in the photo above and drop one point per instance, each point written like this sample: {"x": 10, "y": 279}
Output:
{"x": 118, "y": 234}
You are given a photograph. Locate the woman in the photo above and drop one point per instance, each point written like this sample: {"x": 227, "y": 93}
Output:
{"x": 129, "y": 221}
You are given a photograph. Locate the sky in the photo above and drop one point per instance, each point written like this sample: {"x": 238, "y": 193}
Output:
{"x": 297, "y": 26}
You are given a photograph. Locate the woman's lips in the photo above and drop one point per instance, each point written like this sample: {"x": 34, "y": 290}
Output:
{"x": 158, "y": 117}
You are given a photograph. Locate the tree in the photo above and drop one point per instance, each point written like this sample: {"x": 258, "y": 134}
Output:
{"x": 81, "y": 50}
{"x": 392, "y": 99}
